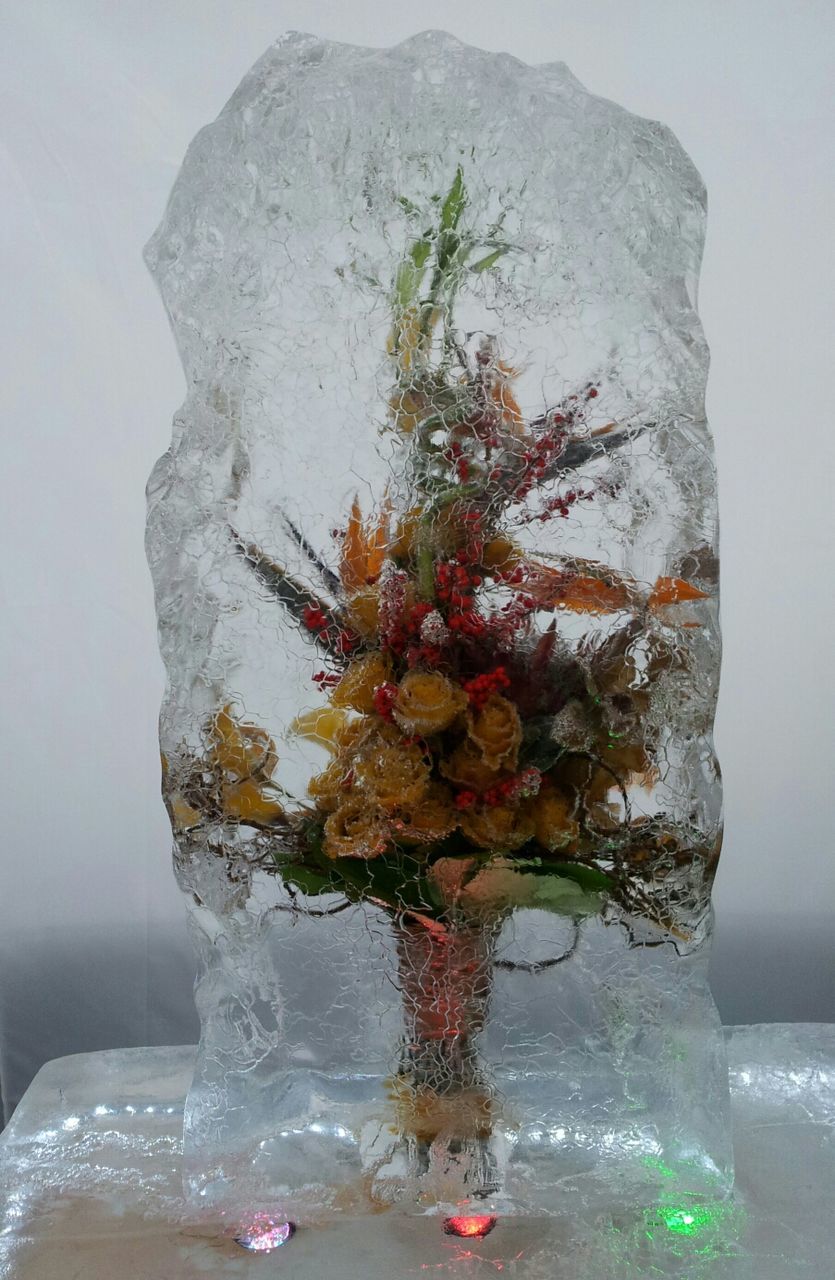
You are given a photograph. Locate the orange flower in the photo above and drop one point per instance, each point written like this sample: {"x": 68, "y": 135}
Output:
{"x": 498, "y": 387}
{"x": 395, "y": 776}
{"x": 245, "y": 756}
{"x": 363, "y": 548}
{"x": 497, "y": 827}
{"x": 355, "y": 830}
{"x": 356, "y": 688}
{"x": 673, "y": 591}
{"x": 501, "y": 553}
{"x": 240, "y": 750}
{"x": 496, "y": 730}
{"x": 247, "y": 802}
{"x": 427, "y": 702}
{"x": 578, "y": 593}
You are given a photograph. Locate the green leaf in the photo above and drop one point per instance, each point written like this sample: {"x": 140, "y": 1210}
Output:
{"x": 565, "y": 898}
{"x": 492, "y": 258}
{"x": 454, "y": 203}
{"x": 587, "y": 877}
{"x": 420, "y": 251}
{"x": 395, "y": 878}
{"x": 307, "y": 881}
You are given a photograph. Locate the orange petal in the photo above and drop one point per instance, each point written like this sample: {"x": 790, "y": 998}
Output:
{"x": 378, "y": 544}
{"x": 354, "y": 551}
{"x": 674, "y": 591}
{"x": 246, "y": 802}
{"x": 580, "y": 594}
{"x": 320, "y": 725}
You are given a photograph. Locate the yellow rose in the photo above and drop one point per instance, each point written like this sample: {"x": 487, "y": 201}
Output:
{"x": 356, "y": 688}
{"x": 497, "y": 827}
{"x": 427, "y": 702}
{"x": 496, "y": 730}
{"x": 329, "y": 788}
{"x": 394, "y": 775}
{"x": 432, "y": 818}
{"x": 555, "y": 825}
{"x": 466, "y": 768}
{"x": 355, "y": 830}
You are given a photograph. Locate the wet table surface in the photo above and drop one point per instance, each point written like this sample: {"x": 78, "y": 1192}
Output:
{"x": 90, "y": 1187}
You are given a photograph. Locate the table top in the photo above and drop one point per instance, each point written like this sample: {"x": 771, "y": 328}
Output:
{"x": 90, "y": 1187}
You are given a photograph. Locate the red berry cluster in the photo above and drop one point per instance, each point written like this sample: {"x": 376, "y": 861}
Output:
{"x": 404, "y": 632}
{"x": 314, "y": 619}
{"x": 542, "y": 453}
{"x": 500, "y": 793}
{"x": 326, "y": 679}
{"x": 507, "y": 791}
{"x": 384, "y": 699}
{"x": 455, "y": 583}
{"x": 479, "y": 689}
{"x": 561, "y": 504}
{"x": 336, "y": 638}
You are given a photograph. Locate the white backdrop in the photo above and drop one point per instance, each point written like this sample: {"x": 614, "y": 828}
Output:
{"x": 100, "y": 99}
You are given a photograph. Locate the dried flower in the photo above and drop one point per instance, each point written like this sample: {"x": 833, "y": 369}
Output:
{"x": 427, "y": 702}
{"x": 433, "y": 630}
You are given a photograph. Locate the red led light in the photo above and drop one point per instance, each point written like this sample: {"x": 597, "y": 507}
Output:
{"x": 263, "y": 1235}
{"x": 474, "y": 1227}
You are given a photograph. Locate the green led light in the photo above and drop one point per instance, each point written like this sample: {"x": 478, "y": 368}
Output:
{"x": 652, "y": 1162}
{"x": 691, "y": 1219}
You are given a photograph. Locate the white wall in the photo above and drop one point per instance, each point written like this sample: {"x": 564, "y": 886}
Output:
{"x": 100, "y": 99}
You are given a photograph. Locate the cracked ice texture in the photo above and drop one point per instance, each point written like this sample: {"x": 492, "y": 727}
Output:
{"x": 275, "y": 260}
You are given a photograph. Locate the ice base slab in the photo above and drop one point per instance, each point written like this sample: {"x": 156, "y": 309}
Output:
{"x": 521, "y": 1070}
{"x": 91, "y": 1172}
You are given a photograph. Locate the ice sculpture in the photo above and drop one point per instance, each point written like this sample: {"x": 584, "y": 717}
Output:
{"x": 434, "y": 549}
